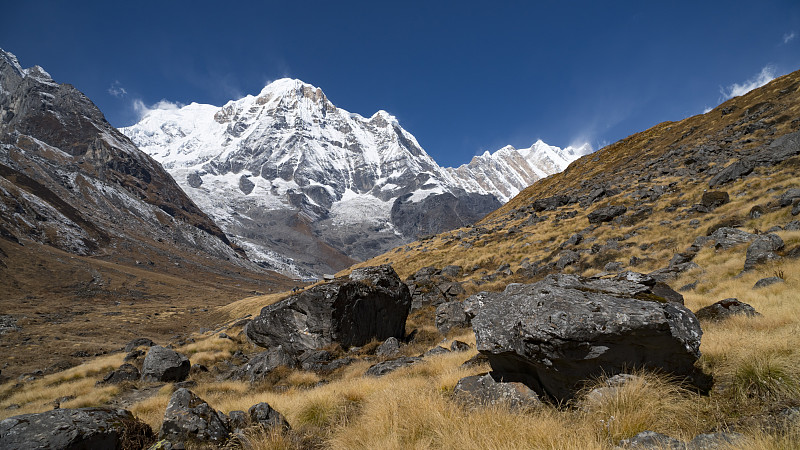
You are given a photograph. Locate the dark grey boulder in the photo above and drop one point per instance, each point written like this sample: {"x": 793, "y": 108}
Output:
{"x": 727, "y": 237}
{"x": 714, "y": 199}
{"x": 385, "y": 367}
{"x": 452, "y": 271}
{"x": 260, "y": 365}
{"x": 389, "y": 348}
{"x": 551, "y": 203}
{"x": 163, "y": 364}
{"x": 793, "y": 226}
{"x": 556, "y": 334}
{"x": 84, "y": 428}
{"x": 126, "y": 372}
{"x": 313, "y": 360}
{"x": 238, "y": 421}
{"x": 732, "y": 172}
{"x": 450, "y": 315}
{"x": 725, "y": 308}
{"x": 796, "y": 208}
{"x": 486, "y": 391}
{"x": 567, "y": 258}
{"x": 372, "y": 303}
{"x": 769, "y": 281}
{"x": 606, "y": 213}
{"x": 190, "y": 419}
{"x": 652, "y": 441}
{"x": 763, "y": 249}
{"x": 776, "y": 152}
{"x": 138, "y": 342}
{"x": 263, "y": 415}
{"x": 789, "y": 197}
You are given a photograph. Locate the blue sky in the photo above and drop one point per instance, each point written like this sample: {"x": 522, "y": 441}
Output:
{"x": 463, "y": 77}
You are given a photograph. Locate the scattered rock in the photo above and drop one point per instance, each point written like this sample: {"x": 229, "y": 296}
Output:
{"x": 262, "y": 414}
{"x": 190, "y": 419}
{"x": 652, "y": 440}
{"x": 606, "y": 213}
{"x": 764, "y": 282}
{"x": 138, "y": 342}
{"x": 762, "y": 250}
{"x": 372, "y": 303}
{"x": 486, "y": 391}
{"x": 438, "y": 350}
{"x": 126, "y": 372}
{"x": 688, "y": 287}
{"x": 391, "y": 365}
{"x": 134, "y": 355}
{"x": 84, "y": 428}
{"x": 725, "y": 308}
{"x": 555, "y": 334}
{"x": 311, "y": 360}
{"x": 727, "y": 237}
{"x": 458, "y": 346}
{"x": 567, "y": 258}
{"x": 789, "y": 197}
{"x": 238, "y": 421}
{"x": 389, "y": 348}
{"x": 613, "y": 266}
{"x": 756, "y": 212}
{"x": 450, "y": 315}
{"x": 476, "y": 361}
{"x": 713, "y": 441}
{"x": 792, "y": 226}
{"x": 163, "y": 364}
{"x": 260, "y": 365}
{"x": 714, "y": 199}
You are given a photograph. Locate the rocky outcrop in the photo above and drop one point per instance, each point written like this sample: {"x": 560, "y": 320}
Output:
{"x": 556, "y": 334}
{"x": 163, "y": 364}
{"x": 763, "y": 249}
{"x": 440, "y": 212}
{"x": 84, "y": 428}
{"x": 263, "y": 415}
{"x": 430, "y": 286}
{"x": 778, "y": 151}
{"x": 450, "y": 315}
{"x": 370, "y": 303}
{"x": 606, "y": 213}
{"x": 260, "y": 365}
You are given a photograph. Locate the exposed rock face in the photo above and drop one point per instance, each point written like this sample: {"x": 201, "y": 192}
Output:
{"x": 484, "y": 390}
{"x": 163, "y": 364}
{"x": 441, "y": 212}
{"x": 371, "y": 303}
{"x": 84, "y": 428}
{"x": 778, "y": 151}
{"x": 190, "y": 419}
{"x": 725, "y": 308}
{"x": 555, "y": 334}
{"x": 449, "y": 315}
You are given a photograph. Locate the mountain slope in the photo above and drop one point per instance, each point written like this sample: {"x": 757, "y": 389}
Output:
{"x": 290, "y": 175}
{"x": 88, "y": 222}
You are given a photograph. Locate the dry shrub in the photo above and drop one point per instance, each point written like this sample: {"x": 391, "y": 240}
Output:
{"x": 648, "y": 402}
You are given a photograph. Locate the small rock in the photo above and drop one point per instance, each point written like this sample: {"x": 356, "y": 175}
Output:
{"x": 450, "y": 315}
{"x": 459, "y": 346}
{"x": 389, "y": 348}
{"x": 613, "y": 266}
{"x": 725, "y": 308}
{"x": 714, "y": 199}
{"x": 138, "y": 342}
{"x": 260, "y": 365}
{"x": 764, "y": 282}
{"x": 606, "y": 214}
{"x": 792, "y": 226}
{"x": 712, "y": 441}
{"x": 484, "y": 390}
{"x": 789, "y": 197}
{"x": 652, "y": 440}
{"x": 438, "y": 350}
{"x": 762, "y": 250}
{"x": 476, "y": 361}
{"x": 126, "y": 372}
{"x": 385, "y": 367}
{"x": 263, "y": 415}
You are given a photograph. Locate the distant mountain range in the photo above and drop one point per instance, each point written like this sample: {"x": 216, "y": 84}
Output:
{"x": 308, "y": 188}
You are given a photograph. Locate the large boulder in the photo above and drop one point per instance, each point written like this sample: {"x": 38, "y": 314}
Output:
{"x": 372, "y": 303}
{"x": 190, "y": 419}
{"x": 84, "y": 428}
{"x": 163, "y": 364}
{"x": 564, "y": 330}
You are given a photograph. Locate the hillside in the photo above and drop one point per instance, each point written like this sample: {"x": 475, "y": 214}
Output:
{"x": 93, "y": 231}
{"x": 700, "y": 205}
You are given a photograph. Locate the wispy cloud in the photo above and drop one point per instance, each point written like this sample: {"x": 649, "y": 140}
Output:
{"x": 117, "y": 90}
{"x": 143, "y": 110}
{"x": 788, "y": 37}
{"x": 766, "y": 75}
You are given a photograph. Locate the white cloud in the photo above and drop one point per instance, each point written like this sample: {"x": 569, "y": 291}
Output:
{"x": 788, "y": 37}
{"x": 143, "y": 110}
{"x": 766, "y": 75}
{"x": 117, "y": 90}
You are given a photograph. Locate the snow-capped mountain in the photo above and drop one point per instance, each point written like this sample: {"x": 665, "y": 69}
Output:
{"x": 305, "y": 186}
